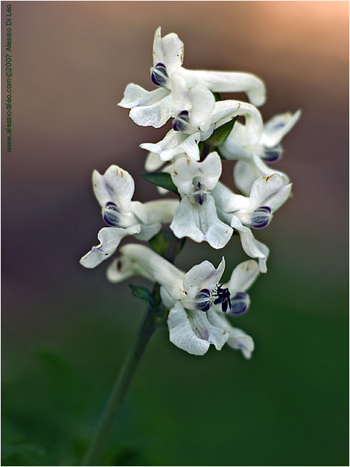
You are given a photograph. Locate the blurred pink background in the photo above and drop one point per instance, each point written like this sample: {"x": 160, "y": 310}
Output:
{"x": 71, "y": 63}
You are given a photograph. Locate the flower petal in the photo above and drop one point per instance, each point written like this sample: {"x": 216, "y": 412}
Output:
{"x": 241, "y": 341}
{"x": 203, "y": 104}
{"x": 116, "y": 185}
{"x": 153, "y": 162}
{"x": 155, "y": 115}
{"x": 184, "y": 222}
{"x": 200, "y": 223}
{"x": 158, "y": 211}
{"x": 167, "y": 299}
{"x": 109, "y": 238}
{"x": 224, "y": 111}
{"x": 174, "y": 143}
{"x": 123, "y": 267}
{"x": 277, "y": 127}
{"x": 239, "y": 304}
{"x": 152, "y": 266}
{"x": 238, "y": 339}
{"x": 185, "y": 170}
{"x": 211, "y": 169}
{"x": 243, "y": 276}
{"x": 148, "y": 108}
{"x": 196, "y": 100}
{"x": 136, "y": 96}
{"x": 245, "y": 173}
{"x": 269, "y": 191}
{"x": 148, "y": 231}
{"x": 236, "y": 145}
{"x": 228, "y": 201}
{"x": 152, "y": 215}
{"x": 168, "y": 50}
{"x": 182, "y": 173}
{"x": 250, "y": 245}
{"x": 221, "y": 81}
{"x": 191, "y": 331}
{"x": 202, "y": 276}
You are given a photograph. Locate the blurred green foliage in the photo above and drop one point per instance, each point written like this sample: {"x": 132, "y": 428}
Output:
{"x": 287, "y": 406}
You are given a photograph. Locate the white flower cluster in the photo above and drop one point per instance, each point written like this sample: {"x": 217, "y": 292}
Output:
{"x": 208, "y": 210}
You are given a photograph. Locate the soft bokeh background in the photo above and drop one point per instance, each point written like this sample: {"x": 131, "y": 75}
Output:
{"x": 66, "y": 330}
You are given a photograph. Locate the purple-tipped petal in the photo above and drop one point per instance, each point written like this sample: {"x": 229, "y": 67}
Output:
{"x": 159, "y": 75}
{"x": 239, "y": 304}
{"x": 181, "y": 121}
{"x": 260, "y": 218}
{"x": 184, "y": 114}
{"x": 179, "y": 125}
{"x": 111, "y": 214}
{"x": 272, "y": 155}
{"x": 203, "y": 301}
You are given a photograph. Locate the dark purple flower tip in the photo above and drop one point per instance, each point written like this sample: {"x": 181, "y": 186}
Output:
{"x": 261, "y": 217}
{"x": 203, "y": 302}
{"x": 111, "y": 214}
{"x": 204, "y": 306}
{"x": 159, "y": 75}
{"x": 273, "y": 154}
{"x": 204, "y": 293}
{"x": 184, "y": 114}
{"x": 179, "y": 125}
{"x": 239, "y": 304}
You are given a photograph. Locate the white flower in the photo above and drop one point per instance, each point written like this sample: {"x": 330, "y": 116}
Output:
{"x": 191, "y": 296}
{"x": 156, "y": 107}
{"x": 252, "y": 154}
{"x": 185, "y": 136}
{"x": 114, "y": 191}
{"x": 195, "y": 217}
{"x": 168, "y": 54}
{"x": 243, "y": 213}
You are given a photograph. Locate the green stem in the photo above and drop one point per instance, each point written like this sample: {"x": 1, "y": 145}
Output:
{"x": 100, "y": 439}
{"x": 174, "y": 247}
{"x": 150, "y": 322}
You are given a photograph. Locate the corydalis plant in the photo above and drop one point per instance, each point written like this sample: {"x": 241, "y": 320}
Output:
{"x": 195, "y": 305}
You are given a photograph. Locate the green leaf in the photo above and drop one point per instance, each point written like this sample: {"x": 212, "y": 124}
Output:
{"x": 217, "y": 96}
{"x": 142, "y": 292}
{"x": 160, "y": 241}
{"x": 161, "y": 179}
{"x": 220, "y": 134}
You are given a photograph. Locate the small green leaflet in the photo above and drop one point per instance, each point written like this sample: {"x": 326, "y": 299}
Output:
{"x": 220, "y": 134}
{"x": 160, "y": 241}
{"x": 161, "y": 179}
{"x": 142, "y": 292}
